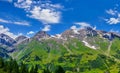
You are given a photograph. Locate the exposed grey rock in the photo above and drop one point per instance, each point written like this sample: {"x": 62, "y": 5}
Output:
{"x": 20, "y": 38}
{"x": 5, "y": 40}
{"x": 41, "y": 35}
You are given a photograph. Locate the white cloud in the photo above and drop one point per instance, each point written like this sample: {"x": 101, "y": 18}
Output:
{"x": 20, "y": 1}
{"x": 7, "y": 32}
{"x": 46, "y": 12}
{"x": 21, "y": 23}
{"x": 30, "y": 32}
{"x": 4, "y": 21}
{"x": 113, "y": 20}
{"x": 56, "y": 6}
{"x": 46, "y": 28}
{"x": 23, "y": 3}
{"x": 111, "y": 12}
{"x": 73, "y": 27}
{"x": 7, "y": 0}
{"x": 94, "y": 28}
{"x": 19, "y": 34}
{"x": 2, "y": 29}
{"x": 10, "y": 0}
{"x": 115, "y": 31}
{"x": 45, "y": 15}
{"x": 83, "y": 24}
{"x": 25, "y": 23}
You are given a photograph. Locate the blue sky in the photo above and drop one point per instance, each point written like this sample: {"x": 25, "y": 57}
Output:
{"x": 26, "y": 17}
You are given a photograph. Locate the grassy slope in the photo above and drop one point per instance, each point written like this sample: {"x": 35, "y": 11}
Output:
{"x": 1, "y": 71}
{"x": 82, "y": 59}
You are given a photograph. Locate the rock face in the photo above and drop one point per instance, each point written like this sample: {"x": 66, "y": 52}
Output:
{"x": 80, "y": 34}
{"x": 68, "y": 34}
{"x": 86, "y": 34}
{"x": 41, "y": 35}
{"x": 5, "y": 40}
{"x": 109, "y": 35}
{"x": 20, "y": 38}
{"x": 89, "y": 32}
{"x": 3, "y": 53}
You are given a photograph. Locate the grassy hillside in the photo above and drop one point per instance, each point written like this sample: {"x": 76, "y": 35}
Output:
{"x": 73, "y": 56}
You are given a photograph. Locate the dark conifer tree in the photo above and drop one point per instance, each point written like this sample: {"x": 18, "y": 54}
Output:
{"x": 59, "y": 70}
{"x": 36, "y": 69}
{"x": 23, "y": 68}
{"x": 46, "y": 71}
{"x": 1, "y": 63}
{"x": 32, "y": 70}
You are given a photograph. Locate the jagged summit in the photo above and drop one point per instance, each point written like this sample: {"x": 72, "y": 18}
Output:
{"x": 40, "y": 35}
{"x": 80, "y": 34}
{"x": 86, "y": 34}
{"x": 89, "y": 32}
{"x": 21, "y": 39}
{"x": 6, "y": 40}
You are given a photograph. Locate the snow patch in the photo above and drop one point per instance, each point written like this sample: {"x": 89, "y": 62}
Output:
{"x": 88, "y": 45}
{"x": 58, "y": 35}
{"x": 72, "y": 36}
{"x": 52, "y": 36}
{"x": 76, "y": 31}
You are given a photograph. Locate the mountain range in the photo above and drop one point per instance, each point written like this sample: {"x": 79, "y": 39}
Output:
{"x": 78, "y": 51}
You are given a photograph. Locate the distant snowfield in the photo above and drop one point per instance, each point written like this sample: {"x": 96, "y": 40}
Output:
{"x": 88, "y": 45}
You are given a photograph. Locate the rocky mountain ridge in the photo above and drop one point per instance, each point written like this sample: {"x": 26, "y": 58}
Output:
{"x": 83, "y": 35}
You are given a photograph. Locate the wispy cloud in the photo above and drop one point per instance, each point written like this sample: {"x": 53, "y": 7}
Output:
{"x": 83, "y": 24}
{"x": 111, "y": 12}
{"x": 4, "y": 21}
{"x": 7, "y": 0}
{"x": 115, "y": 31}
{"x": 7, "y": 32}
{"x": 19, "y": 34}
{"x": 73, "y": 27}
{"x": 46, "y": 28}
{"x": 44, "y": 11}
{"x": 80, "y": 25}
{"x": 24, "y": 23}
{"x": 30, "y": 32}
{"x": 10, "y": 0}
{"x": 113, "y": 20}
{"x": 114, "y": 17}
